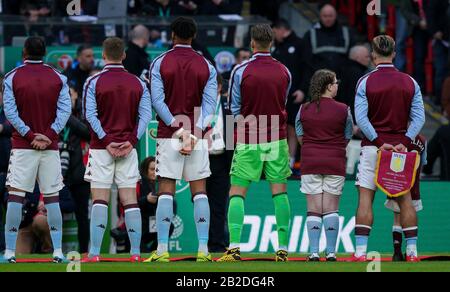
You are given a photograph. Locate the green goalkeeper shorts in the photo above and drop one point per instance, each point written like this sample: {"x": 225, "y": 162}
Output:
{"x": 251, "y": 160}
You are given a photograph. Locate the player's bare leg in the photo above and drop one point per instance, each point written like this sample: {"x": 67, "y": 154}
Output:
{"x": 133, "y": 221}
{"x": 364, "y": 222}
{"x": 201, "y": 217}
{"x": 236, "y": 212}
{"x": 283, "y": 216}
{"x": 314, "y": 224}
{"x": 99, "y": 221}
{"x": 408, "y": 220}
{"x": 13, "y": 220}
{"x": 331, "y": 223}
{"x": 164, "y": 216}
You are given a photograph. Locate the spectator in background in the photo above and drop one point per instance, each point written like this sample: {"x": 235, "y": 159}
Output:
{"x": 288, "y": 50}
{"x": 266, "y": 8}
{"x": 439, "y": 27}
{"x": 218, "y": 184}
{"x": 445, "y": 101}
{"x": 241, "y": 55}
{"x": 216, "y": 7}
{"x": 356, "y": 67}
{"x": 5, "y": 149}
{"x": 439, "y": 147}
{"x": 167, "y": 8}
{"x": 73, "y": 169}
{"x": 327, "y": 44}
{"x": 80, "y": 71}
{"x": 35, "y": 8}
{"x": 137, "y": 60}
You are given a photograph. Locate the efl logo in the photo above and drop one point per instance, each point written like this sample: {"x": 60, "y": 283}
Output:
{"x": 74, "y": 8}
{"x": 374, "y": 8}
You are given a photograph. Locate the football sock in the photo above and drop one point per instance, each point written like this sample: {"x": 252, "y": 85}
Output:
{"x": 202, "y": 218}
{"x": 397, "y": 238}
{"x": 99, "y": 221}
{"x": 133, "y": 221}
{"x": 362, "y": 233}
{"x": 411, "y": 235}
{"x": 164, "y": 215}
{"x": 236, "y": 211}
{"x": 54, "y": 219}
{"x": 13, "y": 220}
{"x": 314, "y": 225}
{"x": 283, "y": 215}
{"x": 331, "y": 225}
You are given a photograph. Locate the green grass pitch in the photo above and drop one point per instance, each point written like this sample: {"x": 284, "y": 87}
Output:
{"x": 246, "y": 266}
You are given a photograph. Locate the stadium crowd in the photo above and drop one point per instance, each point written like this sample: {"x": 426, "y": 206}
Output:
{"x": 329, "y": 44}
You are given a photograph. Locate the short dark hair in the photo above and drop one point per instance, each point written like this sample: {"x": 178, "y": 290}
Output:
{"x": 282, "y": 23}
{"x": 184, "y": 28}
{"x": 238, "y": 51}
{"x": 262, "y": 34}
{"x": 35, "y": 48}
{"x": 114, "y": 48}
{"x": 82, "y": 48}
{"x": 383, "y": 45}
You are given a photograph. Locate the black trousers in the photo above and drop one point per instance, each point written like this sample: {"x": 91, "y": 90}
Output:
{"x": 218, "y": 187}
{"x": 2, "y": 193}
{"x": 81, "y": 194}
{"x": 439, "y": 146}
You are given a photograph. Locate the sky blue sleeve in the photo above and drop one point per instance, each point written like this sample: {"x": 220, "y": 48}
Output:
{"x": 91, "y": 109}
{"x": 298, "y": 124}
{"x": 145, "y": 111}
{"x": 157, "y": 94}
{"x": 235, "y": 91}
{"x": 209, "y": 101}
{"x": 349, "y": 126}
{"x": 10, "y": 107}
{"x": 361, "y": 112}
{"x": 417, "y": 114}
{"x": 64, "y": 107}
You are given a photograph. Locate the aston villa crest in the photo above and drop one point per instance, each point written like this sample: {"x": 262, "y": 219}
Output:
{"x": 398, "y": 162}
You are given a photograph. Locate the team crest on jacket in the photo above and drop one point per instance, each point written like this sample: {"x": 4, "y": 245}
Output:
{"x": 398, "y": 162}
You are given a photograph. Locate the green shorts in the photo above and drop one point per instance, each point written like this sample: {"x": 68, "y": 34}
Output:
{"x": 251, "y": 160}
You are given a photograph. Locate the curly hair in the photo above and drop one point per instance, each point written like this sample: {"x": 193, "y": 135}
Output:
{"x": 319, "y": 82}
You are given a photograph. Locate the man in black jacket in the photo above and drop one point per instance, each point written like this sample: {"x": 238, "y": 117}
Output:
{"x": 439, "y": 27}
{"x": 73, "y": 170}
{"x": 137, "y": 61}
{"x": 288, "y": 50}
{"x": 80, "y": 70}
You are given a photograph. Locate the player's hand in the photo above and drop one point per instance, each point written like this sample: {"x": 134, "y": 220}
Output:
{"x": 400, "y": 148}
{"x": 188, "y": 144}
{"x": 40, "y": 142}
{"x": 299, "y": 96}
{"x": 438, "y": 35}
{"x": 124, "y": 150}
{"x": 423, "y": 24}
{"x": 113, "y": 149}
{"x": 387, "y": 147}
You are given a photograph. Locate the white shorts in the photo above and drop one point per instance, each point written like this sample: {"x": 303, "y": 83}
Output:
{"x": 103, "y": 170}
{"x": 393, "y": 205}
{"x": 26, "y": 166}
{"x": 315, "y": 184}
{"x": 366, "y": 168}
{"x": 171, "y": 164}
